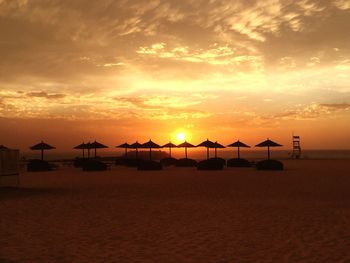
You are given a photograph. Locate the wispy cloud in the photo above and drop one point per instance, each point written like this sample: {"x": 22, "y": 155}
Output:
{"x": 42, "y": 94}
{"x": 342, "y": 4}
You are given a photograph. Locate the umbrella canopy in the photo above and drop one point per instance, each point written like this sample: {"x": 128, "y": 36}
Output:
{"x": 150, "y": 145}
{"x": 268, "y": 143}
{"x": 41, "y": 147}
{"x": 2, "y": 147}
{"x": 136, "y": 146}
{"x": 186, "y": 145}
{"x": 96, "y": 145}
{"x": 169, "y": 145}
{"x": 238, "y": 144}
{"x": 81, "y": 147}
{"x": 216, "y": 146}
{"x": 208, "y": 144}
{"x": 126, "y": 146}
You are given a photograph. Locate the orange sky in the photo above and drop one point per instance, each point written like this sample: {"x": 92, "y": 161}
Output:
{"x": 130, "y": 70}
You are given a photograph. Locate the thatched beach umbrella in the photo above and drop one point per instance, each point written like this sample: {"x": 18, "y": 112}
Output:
{"x": 136, "y": 146}
{"x": 268, "y": 143}
{"x": 150, "y": 145}
{"x": 81, "y": 147}
{"x": 88, "y": 147}
{"x": 96, "y": 145}
{"x": 186, "y": 145}
{"x": 238, "y": 144}
{"x": 216, "y": 146}
{"x": 41, "y": 147}
{"x": 126, "y": 146}
{"x": 208, "y": 144}
{"x": 2, "y": 147}
{"x": 169, "y": 145}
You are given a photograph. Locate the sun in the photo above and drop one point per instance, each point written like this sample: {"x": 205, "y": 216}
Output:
{"x": 181, "y": 137}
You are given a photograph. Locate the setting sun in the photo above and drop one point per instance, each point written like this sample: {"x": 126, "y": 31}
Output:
{"x": 181, "y": 137}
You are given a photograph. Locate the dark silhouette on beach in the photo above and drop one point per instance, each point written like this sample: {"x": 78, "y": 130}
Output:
{"x": 269, "y": 164}
{"x": 238, "y": 162}
{"x": 169, "y": 160}
{"x": 186, "y": 162}
{"x": 40, "y": 164}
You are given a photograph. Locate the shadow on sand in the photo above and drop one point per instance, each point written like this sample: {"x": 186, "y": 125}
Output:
{"x": 18, "y": 192}
{"x": 212, "y": 164}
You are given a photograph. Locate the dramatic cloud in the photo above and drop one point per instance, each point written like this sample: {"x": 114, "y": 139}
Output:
{"x": 195, "y": 63}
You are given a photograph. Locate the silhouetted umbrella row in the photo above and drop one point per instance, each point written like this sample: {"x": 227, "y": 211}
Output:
{"x": 42, "y": 146}
{"x": 208, "y": 144}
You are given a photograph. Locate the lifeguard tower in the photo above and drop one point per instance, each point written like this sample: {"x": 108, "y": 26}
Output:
{"x": 296, "y": 154}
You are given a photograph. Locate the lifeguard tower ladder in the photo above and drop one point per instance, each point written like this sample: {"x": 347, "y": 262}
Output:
{"x": 296, "y": 147}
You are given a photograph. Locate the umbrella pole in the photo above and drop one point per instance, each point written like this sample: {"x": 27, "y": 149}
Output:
{"x": 207, "y": 153}
{"x": 239, "y": 156}
{"x": 126, "y": 152}
{"x": 95, "y": 153}
{"x": 215, "y": 152}
{"x": 42, "y": 154}
{"x": 268, "y": 152}
{"x": 170, "y": 152}
{"x": 137, "y": 153}
{"x": 186, "y": 152}
{"x": 83, "y": 153}
{"x": 150, "y": 154}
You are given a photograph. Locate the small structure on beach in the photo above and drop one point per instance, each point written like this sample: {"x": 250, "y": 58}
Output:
{"x": 9, "y": 167}
{"x": 238, "y": 162}
{"x": 186, "y": 162}
{"x": 36, "y": 165}
{"x": 125, "y": 146}
{"x": 207, "y": 144}
{"x": 269, "y": 164}
{"x": 296, "y": 154}
{"x": 167, "y": 161}
{"x": 41, "y": 147}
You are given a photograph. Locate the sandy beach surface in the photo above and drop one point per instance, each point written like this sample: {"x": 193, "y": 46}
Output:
{"x": 301, "y": 214}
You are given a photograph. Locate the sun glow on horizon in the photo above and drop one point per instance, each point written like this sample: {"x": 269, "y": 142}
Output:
{"x": 181, "y": 137}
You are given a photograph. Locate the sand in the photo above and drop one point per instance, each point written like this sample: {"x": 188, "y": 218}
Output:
{"x": 301, "y": 214}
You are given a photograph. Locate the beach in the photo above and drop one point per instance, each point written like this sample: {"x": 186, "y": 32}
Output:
{"x": 301, "y": 214}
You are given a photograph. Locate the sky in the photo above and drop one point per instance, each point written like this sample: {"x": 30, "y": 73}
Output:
{"x": 127, "y": 70}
